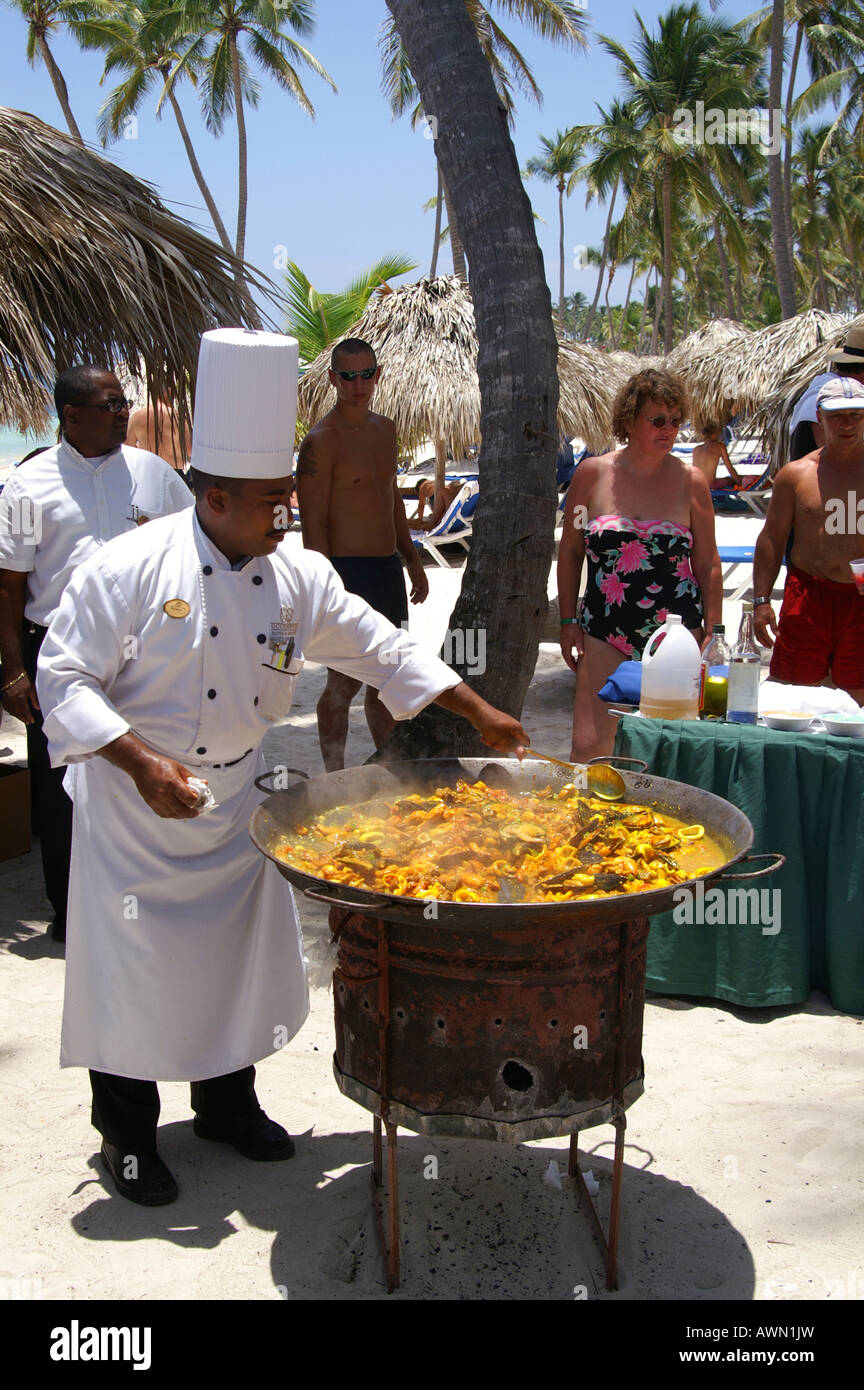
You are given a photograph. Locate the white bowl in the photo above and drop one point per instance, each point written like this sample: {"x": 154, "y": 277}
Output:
{"x": 780, "y": 719}
{"x": 842, "y": 728}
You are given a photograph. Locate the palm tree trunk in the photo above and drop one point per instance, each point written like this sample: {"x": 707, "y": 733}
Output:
{"x": 60, "y": 88}
{"x": 627, "y": 298}
{"x": 504, "y": 589}
{"x": 199, "y": 177}
{"x": 242, "y": 186}
{"x": 782, "y": 247}
{"x": 592, "y": 311}
{"x": 821, "y": 281}
{"x": 739, "y": 294}
{"x": 787, "y": 154}
{"x": 457, "y": 250}
{"x": 655, "y": 334}
{"x": 724, "y": 266}
{"x": 610, "y": 317}
{"x": 667, "y": 255}
{"x": 433, "y": 265}
{"x": 644, "y": 310}
{"x": 561, "y": 249}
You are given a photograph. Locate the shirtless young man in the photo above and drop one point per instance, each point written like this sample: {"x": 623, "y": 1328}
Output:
{"x": 142, "y": 432}
{"x": 351, "y": 510}
{"x": 708, "y": 456}
{"x": 821, "y": 627}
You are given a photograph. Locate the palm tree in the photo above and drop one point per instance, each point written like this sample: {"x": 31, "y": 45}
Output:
{"x": 504, "y": 590}
{"x": 136, "y": 45}
{"x": 316, "y": 320}
{"x": 215, "y": 29}
{"x": 837, "y": 70}
{"x": 558, "y": 165}
{"x": 43, "y": 18}
{"x": 615, "y": 140}
{"x": 691, "y": 59}
{"x": 560, "y": 20}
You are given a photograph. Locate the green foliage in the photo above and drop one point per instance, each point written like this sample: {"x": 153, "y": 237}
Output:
{"x": 317, "y": 319}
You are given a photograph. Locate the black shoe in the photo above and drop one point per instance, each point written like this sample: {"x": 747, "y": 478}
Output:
{"x": 254, "y": 1137}
{"x": 154, "y": 1185}
{"x": 57, "y": 930}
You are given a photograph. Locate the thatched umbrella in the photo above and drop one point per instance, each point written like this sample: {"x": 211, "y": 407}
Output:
{"x": 95, "y": 269}
{"x": 771, "y": 421}
{"x": 734, "y": 372}
{"x": 426, "y": 342}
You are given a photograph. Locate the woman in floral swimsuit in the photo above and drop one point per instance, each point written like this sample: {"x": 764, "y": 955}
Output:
{"x": 644, "y": 520}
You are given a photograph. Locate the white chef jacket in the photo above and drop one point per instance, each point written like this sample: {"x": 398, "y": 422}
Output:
{"x": 184, "y": 956}
{"x": 59, "y": 507}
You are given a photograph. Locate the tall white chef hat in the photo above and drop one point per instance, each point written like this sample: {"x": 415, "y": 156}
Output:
{"x": 245, "y": 404}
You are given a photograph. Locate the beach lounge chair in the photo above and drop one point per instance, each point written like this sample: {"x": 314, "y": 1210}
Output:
{"x": 731, "y": 557}
{"x": 455, "y": 526}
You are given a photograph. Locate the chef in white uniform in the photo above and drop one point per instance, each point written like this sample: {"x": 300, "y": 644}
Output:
{"x": 172, "y": 653}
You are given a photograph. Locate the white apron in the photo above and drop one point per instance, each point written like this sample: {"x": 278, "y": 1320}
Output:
{"x": 184, "y": 957}
{"x": 190, "y": 915}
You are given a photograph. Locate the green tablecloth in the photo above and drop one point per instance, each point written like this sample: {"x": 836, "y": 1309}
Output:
{"x": 804, "y": 794}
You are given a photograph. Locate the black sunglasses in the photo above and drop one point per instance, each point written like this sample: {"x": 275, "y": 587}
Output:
{"x": 114, "y": 405}
{"x": 661, "y": 421}
{"x": 367, "y": 374}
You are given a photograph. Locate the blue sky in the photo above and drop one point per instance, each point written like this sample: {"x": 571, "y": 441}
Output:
{"x": 342, "y": 190}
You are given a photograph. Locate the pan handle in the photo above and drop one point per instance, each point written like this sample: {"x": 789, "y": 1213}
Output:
{"x": 637, "y": 764}
{"x": 368, "y": 908}
{"x": 271, "y": 772}
{"x": 778, "y": 861}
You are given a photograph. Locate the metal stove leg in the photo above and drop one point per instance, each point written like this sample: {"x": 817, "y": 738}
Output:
{"x": 573, "y": 1159}
{"x": 389, "y": 1247}
{"x": 614, "y": 1211}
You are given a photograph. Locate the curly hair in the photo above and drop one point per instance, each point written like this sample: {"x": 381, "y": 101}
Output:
{"x": 652, "y": 384}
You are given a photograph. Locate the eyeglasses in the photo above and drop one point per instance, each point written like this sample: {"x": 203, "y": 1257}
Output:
{"x": 114, "y": 405}
{"x": 367, "y": 374}
{"x": 661, "y": 421}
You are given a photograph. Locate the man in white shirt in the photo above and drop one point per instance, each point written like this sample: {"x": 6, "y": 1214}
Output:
{"x": 171, "y": 655}
{"x": 57, "y": 509}
{"x": 805, "y": 433}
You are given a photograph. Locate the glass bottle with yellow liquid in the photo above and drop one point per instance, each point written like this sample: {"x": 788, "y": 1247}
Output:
{"x": 714, "y": 686}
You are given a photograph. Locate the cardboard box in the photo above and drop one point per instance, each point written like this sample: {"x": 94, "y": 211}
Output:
{"x": 14, "y": 811}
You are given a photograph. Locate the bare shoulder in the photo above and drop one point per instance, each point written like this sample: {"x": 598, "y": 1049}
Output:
{"x": 383, "y": 424}
{"x": 316, "y": 449}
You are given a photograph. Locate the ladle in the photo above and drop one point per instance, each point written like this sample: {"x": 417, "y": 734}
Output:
{"x": 602, "y": 780}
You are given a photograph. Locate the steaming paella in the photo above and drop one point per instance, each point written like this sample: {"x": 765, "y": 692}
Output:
{"x": 472, "y": 843}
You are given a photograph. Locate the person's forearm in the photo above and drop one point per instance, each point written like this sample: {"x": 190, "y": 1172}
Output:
{"x": 569, "y": 578}
{"x": 315, "y": 534}
{"x": 11, "y": 625}
{"x": 461, "y": 699}
{"x": 710, "y": 583}
{"x": 766, "y": 566}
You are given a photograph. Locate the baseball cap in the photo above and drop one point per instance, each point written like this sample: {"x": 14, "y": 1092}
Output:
{"x": 845, "y": 393}
{"x": 851, "y": 349}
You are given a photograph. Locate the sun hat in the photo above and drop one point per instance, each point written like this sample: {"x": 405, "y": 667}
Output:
{"x": 851, "y": 349}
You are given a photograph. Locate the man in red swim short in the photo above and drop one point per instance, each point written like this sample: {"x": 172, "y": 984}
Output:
{"x": 820, "y": 497}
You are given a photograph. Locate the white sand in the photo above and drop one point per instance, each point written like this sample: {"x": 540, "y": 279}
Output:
{"x": 743, "y": 1170}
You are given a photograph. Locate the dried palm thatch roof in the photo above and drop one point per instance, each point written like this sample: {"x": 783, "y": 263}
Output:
{"x": 426, "y": 341}
{"x": 735, "y": 372}
{"x": 95, "y": 269}
{"x": 771, "y": 420}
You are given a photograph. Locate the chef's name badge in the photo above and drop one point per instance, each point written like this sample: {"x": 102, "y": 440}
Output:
{"x": 176, "y": 608}
{"x": 281, "y": 644}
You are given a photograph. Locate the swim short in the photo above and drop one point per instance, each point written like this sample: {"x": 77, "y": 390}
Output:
{"x": 379, "y": 579}
{"x": 821, "y": 632}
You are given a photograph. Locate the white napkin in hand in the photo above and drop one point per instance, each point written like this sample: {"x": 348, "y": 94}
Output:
{"x": 206, "y": 800}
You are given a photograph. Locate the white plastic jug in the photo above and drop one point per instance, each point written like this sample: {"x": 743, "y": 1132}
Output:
{"x": 671, "y": 670}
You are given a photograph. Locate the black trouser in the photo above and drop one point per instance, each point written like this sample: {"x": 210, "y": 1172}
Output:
{"x": 126, "y": 1112}
{"x": 52, "y": 809}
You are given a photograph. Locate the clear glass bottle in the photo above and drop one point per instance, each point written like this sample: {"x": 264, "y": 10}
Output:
{"x": 742, "y": 704}
{"x": 714, "y": 687}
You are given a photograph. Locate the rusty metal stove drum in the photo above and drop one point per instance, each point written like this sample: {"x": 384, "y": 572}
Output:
{"x": 509, "y": 1021}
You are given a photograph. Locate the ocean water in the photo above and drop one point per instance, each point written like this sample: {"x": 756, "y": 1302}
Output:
{"x": 13, "y": 446}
